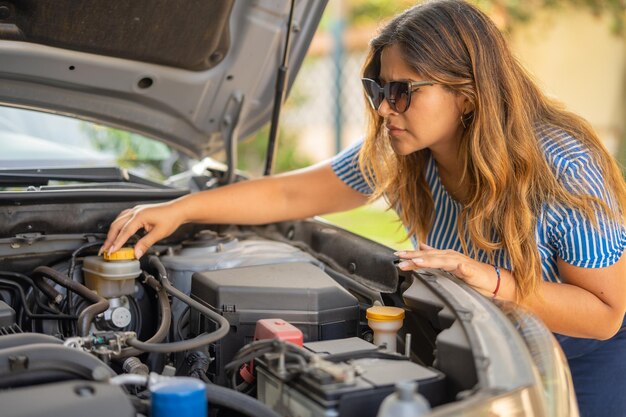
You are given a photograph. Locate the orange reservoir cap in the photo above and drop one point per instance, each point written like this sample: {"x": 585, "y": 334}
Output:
{"x": 384, "y": 313}
{"x": 123, "y": 254}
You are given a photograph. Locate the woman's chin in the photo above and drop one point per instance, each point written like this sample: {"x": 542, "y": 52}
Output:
{"x": 402, "y": 148}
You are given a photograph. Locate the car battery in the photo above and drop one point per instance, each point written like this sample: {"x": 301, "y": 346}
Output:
{"x": 316, "y": 395}
{"x": 299, "y": 293}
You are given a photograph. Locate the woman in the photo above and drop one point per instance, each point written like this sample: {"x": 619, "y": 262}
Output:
{"x": 510, "y": 192}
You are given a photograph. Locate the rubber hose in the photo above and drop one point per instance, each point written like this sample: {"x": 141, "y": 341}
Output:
{"x": 72, "y": 266}
{"x": 85, "y": 318}
{"x": 52, "y": 357}
{"x": 38, "y": 376}
{"x": 43, "y": 286}
{"x": 166, "y": 319}
{"x": 237, "y": 401}
{"x": 197, "y": 342}
{"x": 7, "y": 283}
{"x": 21, "y": 339}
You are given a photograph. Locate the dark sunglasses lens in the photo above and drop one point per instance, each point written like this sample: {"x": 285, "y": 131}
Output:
{"x": 374, "y": 93}
{"x": 398, "y": 96}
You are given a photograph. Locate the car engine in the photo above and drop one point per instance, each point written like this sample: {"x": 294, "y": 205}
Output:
{"x": 264, "y": 326}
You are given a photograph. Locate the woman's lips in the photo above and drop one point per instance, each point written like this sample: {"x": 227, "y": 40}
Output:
{"x": 394, "y": 130}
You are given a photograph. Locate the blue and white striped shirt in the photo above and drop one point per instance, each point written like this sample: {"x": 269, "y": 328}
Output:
{"x": 560, "y": 232}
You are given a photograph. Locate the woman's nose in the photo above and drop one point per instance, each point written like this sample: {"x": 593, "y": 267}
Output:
{"x": 384, "y": 110}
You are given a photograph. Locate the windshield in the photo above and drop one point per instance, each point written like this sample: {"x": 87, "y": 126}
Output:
{"x": 31, "y": 139}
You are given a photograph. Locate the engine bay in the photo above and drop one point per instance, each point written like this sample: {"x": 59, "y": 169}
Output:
{"x": 266, "y": 325}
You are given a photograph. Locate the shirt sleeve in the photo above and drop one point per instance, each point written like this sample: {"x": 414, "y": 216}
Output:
{"x": 346, "y": 166}
{"x": 577, "y": 240}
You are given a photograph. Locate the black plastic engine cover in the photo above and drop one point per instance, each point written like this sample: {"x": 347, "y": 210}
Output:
{"x": 67, "y": 399}
{"x": 299, "y": 293}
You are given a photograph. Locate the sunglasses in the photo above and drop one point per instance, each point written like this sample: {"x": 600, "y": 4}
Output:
{"x": 397, "y": 93}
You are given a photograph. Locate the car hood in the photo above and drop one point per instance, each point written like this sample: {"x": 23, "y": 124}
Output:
{"x": 181, "y": 72}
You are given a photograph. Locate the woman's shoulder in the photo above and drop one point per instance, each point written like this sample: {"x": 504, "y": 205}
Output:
{"x": 348, "y": 157}
{"x": 561, "y": 149}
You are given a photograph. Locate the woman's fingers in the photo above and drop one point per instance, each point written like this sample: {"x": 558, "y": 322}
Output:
{"x": 410, "y": 254}
{"x": 114, "y": 230}
{"x": 153, "y": 236}
{"x": 129, "y": 228}
{"x": 158, "y": 220}
{"x": 450, "y": 261}
{"x": 127, "y": 223}
{"x": 476, "y": 274}
{"x": 438, "y": 261}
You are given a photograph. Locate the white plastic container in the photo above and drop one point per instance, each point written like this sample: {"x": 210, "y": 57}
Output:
{"x": 405, "y": 402}
{"x": 385, "y": 322}
{"x": 113, "y": 275}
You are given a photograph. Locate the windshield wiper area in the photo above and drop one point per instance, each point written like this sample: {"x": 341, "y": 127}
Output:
{"x": 42, "y": 176}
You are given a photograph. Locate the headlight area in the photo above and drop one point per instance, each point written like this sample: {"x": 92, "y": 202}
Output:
{"x": 520, "y": 367}
{"x": 549, "y": 360}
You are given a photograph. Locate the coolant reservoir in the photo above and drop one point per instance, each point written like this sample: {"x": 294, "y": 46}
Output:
{"x": 385, "y": 322}
{"x": 112, "y": 275}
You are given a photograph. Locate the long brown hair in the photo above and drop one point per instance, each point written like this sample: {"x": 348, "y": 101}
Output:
{"x": 455, "y": 44}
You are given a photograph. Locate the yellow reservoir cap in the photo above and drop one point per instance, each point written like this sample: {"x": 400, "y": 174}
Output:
{"x": 124, "y": 254}
{"x": 384, "y": 313}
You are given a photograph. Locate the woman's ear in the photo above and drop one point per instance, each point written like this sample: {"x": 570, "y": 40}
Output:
{"x": 465, "y": 106}
{"x": 468, "y": 106}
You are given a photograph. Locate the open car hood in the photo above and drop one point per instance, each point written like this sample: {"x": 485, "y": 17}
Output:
{"x": 180, "y": 72}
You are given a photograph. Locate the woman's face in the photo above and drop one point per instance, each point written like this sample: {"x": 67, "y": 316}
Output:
{"x": 433, "y": 120}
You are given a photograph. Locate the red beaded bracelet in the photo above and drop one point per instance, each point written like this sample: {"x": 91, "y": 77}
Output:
{"x": 495, "y": 292}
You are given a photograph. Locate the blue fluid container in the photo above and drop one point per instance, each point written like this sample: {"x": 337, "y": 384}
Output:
{"x": 179, "y": 397}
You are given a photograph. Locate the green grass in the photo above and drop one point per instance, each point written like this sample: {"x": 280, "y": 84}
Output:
{"x": 373, "y": 223}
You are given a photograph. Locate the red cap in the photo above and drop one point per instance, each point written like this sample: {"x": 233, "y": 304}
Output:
{"x": 278, "y": 329}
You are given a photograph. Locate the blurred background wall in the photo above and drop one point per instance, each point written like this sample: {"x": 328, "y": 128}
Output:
{"x": 577, "y": 59}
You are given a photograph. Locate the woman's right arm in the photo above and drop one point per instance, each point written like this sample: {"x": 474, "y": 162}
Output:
{"x": 293, "y": 195}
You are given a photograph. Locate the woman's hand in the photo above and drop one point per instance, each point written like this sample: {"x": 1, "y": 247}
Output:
{"x": 158, "y": 220}
{"x": 480, "y": 276}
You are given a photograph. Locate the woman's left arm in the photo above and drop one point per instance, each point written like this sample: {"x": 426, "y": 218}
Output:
{"x": 590, "y": 303}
